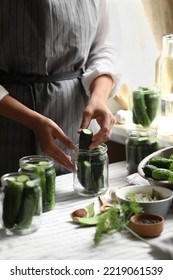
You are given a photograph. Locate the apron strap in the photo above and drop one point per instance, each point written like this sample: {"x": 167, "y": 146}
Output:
{"x": 9, "y": 78}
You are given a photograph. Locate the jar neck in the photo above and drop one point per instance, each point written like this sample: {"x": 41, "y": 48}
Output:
{"x": 37, "y": 159}
{"x": 101, "y": 149}
{"x": 167, "y": 45}
{"x": 142, "y": 133}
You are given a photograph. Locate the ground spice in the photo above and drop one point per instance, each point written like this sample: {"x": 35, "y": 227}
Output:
{"x": 148, "y": 221}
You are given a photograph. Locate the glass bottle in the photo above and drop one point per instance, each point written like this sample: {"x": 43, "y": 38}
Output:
{"x": 44, "y": 167}
{"x": 139, "y": 144}
{"x": 21, "y": 203}
{"x": 164, "y": 76}
{"x": 91, "y": 175}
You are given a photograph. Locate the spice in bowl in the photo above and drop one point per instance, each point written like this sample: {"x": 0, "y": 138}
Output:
{"x": 147, "y": 225}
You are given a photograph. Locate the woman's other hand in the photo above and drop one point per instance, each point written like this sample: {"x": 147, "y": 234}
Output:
{"x": 97, "y": 109}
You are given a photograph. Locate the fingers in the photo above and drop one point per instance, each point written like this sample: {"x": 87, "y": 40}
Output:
{"x": 61, "y": 136}
{"x": 86, "y": 120}
{"x": 103, "y": 135}
{"x": 61, "y": 158}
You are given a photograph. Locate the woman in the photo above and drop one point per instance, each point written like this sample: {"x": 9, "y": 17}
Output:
{"x": 57, "y": 68}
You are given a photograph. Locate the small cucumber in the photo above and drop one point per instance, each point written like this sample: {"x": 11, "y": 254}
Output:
{"x": 43, "y": 163}
{"x": 22, "y": 178}
{"x": 148, "y": 168}
{"x": 11, "y": 203}
{"x": 139, "y": 108}
{"x": 49, "y": 198}
{"x": 85, "y": 138}
{"x": 161, "y": 162}
{"x": 29, "y": 203}
{"x": 152, "y": 103}
{"x": 11, "y": 179}
{"x": 161, "y": 174}
{"x": 84, "y": 174}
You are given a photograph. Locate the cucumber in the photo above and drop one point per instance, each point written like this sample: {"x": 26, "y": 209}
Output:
{"x": 148, "y": 168}
{"x": 11, "y": 203}
{"x": 161, "y": 174}
{"x": 47, "y": 176}
{"x": 145, "y": 105}
{"x": 90, "y": 166}
{"x": 49, "y": 198}
{"x": 135, "y": 120}
{"x": 161, "y": 162}
{"x": 152, "y": 103}
{"x": 22, "y": 178}
{"x": 98, "y": 162}
{"x": 43, "y": 163}
{"x": 139, "y": 108}
{"x": 11, "y": 179}
{"x": 30, "y": 200}
{"x": 85, "y": 138}
{"x": 84, "y": 174}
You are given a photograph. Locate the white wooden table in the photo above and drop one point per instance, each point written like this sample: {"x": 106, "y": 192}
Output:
{"x": 59, "y": 238}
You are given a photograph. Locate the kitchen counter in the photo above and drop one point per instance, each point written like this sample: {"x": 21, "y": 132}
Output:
{"x": 61, "y": 239}
{"x": 120, "y": 133}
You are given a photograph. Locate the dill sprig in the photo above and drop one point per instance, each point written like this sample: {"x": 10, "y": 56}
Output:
{"x": 115, "y": 220}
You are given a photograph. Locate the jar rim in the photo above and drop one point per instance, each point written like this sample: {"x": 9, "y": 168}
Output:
{"x": 102, "y": 149}
{"x": 32, "y": 176}
{"x": 36, "y": 158}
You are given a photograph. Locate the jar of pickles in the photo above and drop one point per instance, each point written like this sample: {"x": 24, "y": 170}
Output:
{"x": 21, "y": 203}
{"x": 91, "y": 174}
{"x": 44, "y": 167}
{"x": 140, "y": 143}
{"x": 144, "y": 105}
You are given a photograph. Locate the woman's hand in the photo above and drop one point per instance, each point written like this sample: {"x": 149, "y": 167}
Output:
{"x": 97, "y": 109}
{"x": 47, "y": 132}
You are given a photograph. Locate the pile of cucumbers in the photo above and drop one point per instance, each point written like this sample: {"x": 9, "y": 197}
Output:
{"x": 21, "y": 202}
{"x": 90, "y": 163}
{"x": 159, "y": 168}
{"x": 145, "y": 105}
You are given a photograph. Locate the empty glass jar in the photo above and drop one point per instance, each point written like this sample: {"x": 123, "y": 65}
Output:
{"x": 44, "y": 167}
{"x": 91, "y": 174}
{"x": 21, "y": 203}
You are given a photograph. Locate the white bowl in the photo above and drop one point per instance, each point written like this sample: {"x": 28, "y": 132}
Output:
{"x": 165, "y": 152}
{"x": 159, "y": 207}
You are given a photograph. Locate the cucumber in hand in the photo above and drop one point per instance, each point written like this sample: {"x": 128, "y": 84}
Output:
{"x": 85, "y": 138}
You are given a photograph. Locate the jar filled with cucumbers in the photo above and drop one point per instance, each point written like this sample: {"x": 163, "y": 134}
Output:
{"x": 144, "y": 104}
{"x": 91, "y": 172}
{"x": 44, "y": 167}
{"x": 140, "y": 143}
{"x": 21, "y": 203}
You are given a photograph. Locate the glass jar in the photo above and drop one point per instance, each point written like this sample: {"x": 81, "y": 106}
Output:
{"x": 144, "y": 105}
{"x": 91, "y": 175}
{"x": 44, "y": 167}
{"x": 139, "y": 144}
{"x": 21, "y": 203}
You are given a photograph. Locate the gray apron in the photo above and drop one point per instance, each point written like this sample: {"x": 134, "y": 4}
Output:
{"x": 44, "y": 45}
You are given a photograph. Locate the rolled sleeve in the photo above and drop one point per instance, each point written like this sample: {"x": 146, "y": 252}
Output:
{"x": 106, "y": 48}
{"x": 3, "y": 92}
